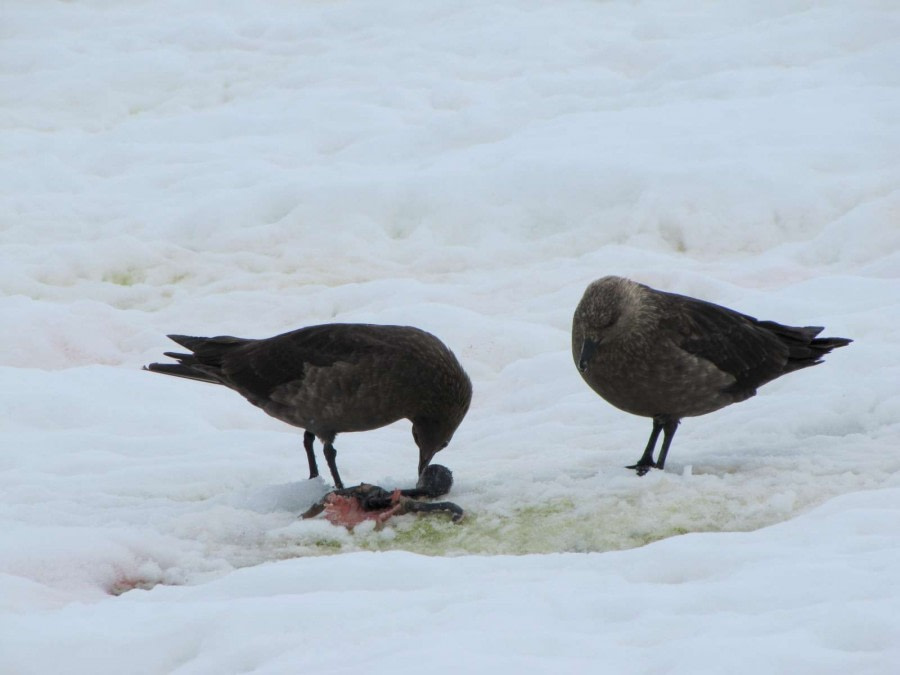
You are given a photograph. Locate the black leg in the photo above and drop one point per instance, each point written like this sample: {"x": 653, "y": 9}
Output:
{"x": 669, "y": 428}
{"x": 645, "y": 463}
{"x": 330, "y": 455}
{"x": 308, "y": 438}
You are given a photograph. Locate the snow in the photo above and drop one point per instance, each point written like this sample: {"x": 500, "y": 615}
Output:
{"x": 249, "y": 168}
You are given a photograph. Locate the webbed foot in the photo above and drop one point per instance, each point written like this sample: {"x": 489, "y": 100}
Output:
{"x": 642, "y": 468}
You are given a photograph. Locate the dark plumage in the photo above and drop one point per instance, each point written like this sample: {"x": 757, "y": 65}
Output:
{"x": 668, "y": 356}
{"x": 338, "y": 377}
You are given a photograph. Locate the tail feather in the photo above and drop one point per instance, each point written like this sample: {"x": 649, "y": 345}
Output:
{"x": 802, "y": 341}
{"x": 811, "y": 352}
{"x": 188, "y": 341}
{"x": 205, "y": 361}
{"x": 799, "y": 335}
{"x": 179, "y": 370}
{"x": 182, "y": 358}
{"x": 825, "y": 345}
{"x": 208, "y": 350}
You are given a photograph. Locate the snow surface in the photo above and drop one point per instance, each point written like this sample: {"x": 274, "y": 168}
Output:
{"x": 466, "y": 167}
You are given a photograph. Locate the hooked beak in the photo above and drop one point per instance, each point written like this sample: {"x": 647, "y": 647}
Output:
{"x": 424, "y": 460}
{"x": 426, "y": 455}
{"x": 588, "y": 349}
